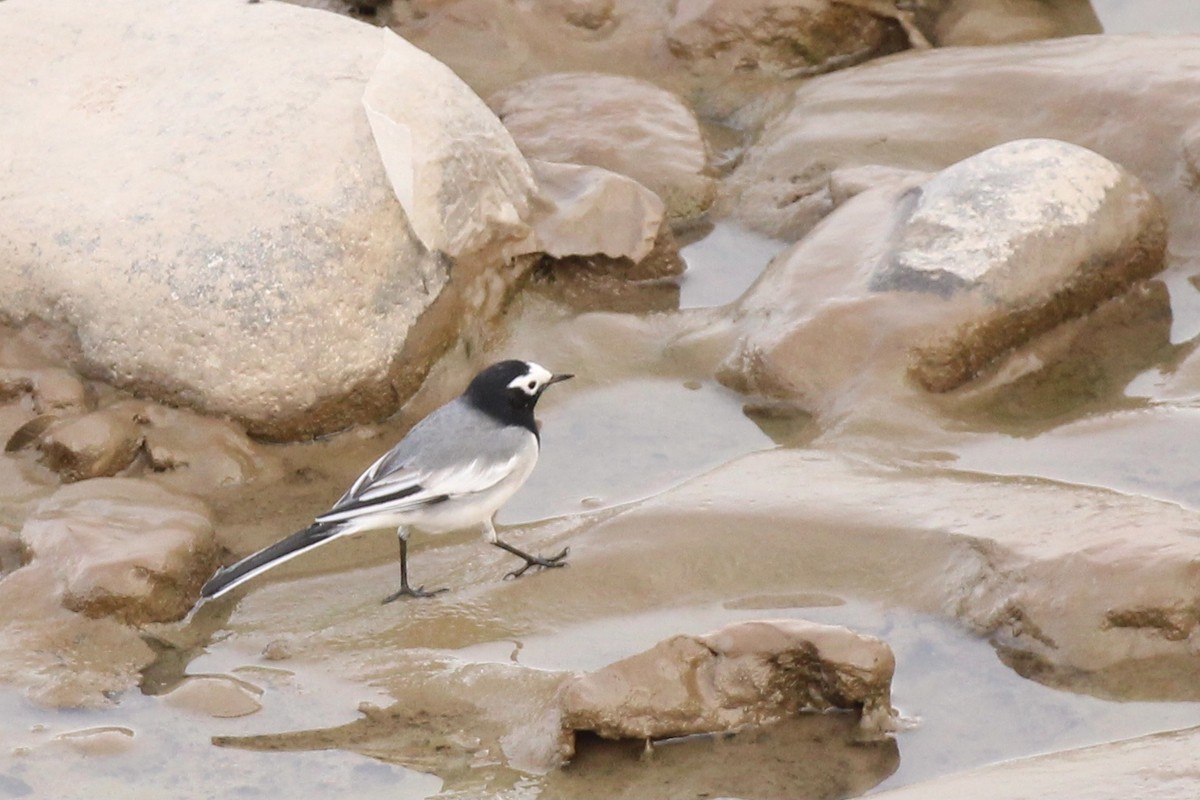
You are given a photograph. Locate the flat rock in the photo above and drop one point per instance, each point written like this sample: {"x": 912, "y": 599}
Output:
{"x": 625, "y": 125}
{"x": 123, "y": 547}
{"x": 746, "y": 674}
{"x": 245, "y": 251}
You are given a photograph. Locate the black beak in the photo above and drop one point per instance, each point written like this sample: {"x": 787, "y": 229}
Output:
{"x": 559, "y": 378}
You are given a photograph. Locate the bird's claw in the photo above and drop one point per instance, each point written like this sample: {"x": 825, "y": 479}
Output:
{"x": 539, "y": 561}
{"x": 408, "y": 591}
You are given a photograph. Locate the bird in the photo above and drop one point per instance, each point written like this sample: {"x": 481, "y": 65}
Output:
{"x": 453, "y": 470}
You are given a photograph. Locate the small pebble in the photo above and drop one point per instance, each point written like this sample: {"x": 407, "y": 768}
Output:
{"x": 277, "y": 650}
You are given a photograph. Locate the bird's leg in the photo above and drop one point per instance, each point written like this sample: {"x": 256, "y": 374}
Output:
{"x": 530, "y": 561}
{"x": 405, "y": 590}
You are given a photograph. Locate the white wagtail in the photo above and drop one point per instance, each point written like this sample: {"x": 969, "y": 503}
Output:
{"x": 453, "y": 470}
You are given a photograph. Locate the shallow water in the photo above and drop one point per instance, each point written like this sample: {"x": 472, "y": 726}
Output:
{"x": 146, "y": 748}
{"x": 1137, "y": 452}
{"x": 1139, "y": 16}
{"x": 723, "y": 264}
{"x": 962, "y": 706}
{"x": 619, "y": 442}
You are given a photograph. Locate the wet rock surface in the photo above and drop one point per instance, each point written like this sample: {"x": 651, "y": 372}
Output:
{"x": 58, "y": 658}
{"x": 750, "y": 673}
{"x": 123, "y": 547}
{"x": 984, "y": 22}
{"x": 1079, "y": 581}
{"x": 578, "y": 118}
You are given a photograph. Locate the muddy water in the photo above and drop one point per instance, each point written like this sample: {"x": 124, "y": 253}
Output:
{"x": 148, "y": 748}
{"x": 300, "y": 651}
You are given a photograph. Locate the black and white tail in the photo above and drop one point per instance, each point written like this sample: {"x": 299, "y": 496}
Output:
{"x": 299, "y": 542}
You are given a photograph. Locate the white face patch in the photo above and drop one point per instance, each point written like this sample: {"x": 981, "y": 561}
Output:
{"x": 533, "y": 380}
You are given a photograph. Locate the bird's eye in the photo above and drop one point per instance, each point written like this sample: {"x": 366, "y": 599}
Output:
{"x": 532, "y": 385}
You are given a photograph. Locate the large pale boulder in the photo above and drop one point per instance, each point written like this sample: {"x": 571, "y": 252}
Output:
{"x": 622, "y": 124}
{"x": 193, "y": 191}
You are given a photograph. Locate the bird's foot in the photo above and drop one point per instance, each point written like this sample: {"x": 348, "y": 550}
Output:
{"x": 539, "y": 561}
{"x": 407, "y": 591}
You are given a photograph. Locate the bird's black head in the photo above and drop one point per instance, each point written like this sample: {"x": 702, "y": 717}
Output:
{"x": 508, "y": 391}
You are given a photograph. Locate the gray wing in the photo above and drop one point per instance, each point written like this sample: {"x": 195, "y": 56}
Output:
{"x": 456, "y": 450}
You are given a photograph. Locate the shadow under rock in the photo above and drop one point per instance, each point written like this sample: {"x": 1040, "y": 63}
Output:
{"x": 810, "y": 757}
{"x": 1080, "y": 367}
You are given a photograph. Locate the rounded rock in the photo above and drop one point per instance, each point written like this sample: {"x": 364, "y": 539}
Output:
{"x": 622, "y": 124}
